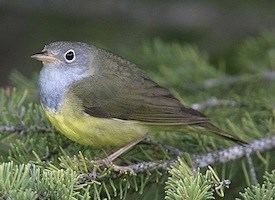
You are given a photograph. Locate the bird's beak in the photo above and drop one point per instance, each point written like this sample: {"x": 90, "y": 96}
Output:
{"x": 44, "y": 56}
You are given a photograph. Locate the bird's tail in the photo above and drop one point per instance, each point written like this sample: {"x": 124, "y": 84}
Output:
{"x": 212, "y": 128}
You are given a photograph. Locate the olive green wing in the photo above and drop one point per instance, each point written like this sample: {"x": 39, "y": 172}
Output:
{"x": 131, "y": 95}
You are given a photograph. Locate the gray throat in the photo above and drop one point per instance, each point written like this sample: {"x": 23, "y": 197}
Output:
{"x": 54, "y": 82}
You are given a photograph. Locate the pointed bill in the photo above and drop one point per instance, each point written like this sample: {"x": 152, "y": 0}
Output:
{"x": 44, "y": 56}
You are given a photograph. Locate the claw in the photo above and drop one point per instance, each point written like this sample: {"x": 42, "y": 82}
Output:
{"x": 123, "y": 169}
{"x": 104, "y": 161}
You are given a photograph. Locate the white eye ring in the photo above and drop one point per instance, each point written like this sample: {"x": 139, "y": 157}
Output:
{"x": 69, "y": 55}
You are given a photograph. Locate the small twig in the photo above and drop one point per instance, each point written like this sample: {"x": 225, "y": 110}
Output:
{"x": 23, "y": 129}
{"x": 50, "y": 153}
{"x": 229, "y": 80}
{"x": 152, "y": 165}
{"x": 11, "y": 128}
{"x": 224, "y": 80}
{"x": 234, "y": 152}
{"x": 214, "y": 102}
{"x": 252, "y": 170}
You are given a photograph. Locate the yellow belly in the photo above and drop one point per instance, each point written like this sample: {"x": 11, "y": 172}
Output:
{"x": 98, "y": 132}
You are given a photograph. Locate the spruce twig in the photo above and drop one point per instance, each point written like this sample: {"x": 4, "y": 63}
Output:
{"x": 23, "y": 128}
{"x": 11, "y": 128}
{"x": 234, "y": 152}
{"x": 214, "y": 102}
{"x": 252, "y": 170}
{"x": 229, "y": 80}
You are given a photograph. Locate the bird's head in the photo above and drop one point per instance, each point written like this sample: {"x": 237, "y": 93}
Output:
{"x": 66, "y": 55}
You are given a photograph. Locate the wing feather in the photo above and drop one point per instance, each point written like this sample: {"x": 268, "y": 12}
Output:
{"x": 122, "y": 91}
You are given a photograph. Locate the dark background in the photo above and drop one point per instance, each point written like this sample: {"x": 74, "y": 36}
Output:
{"x": 122, "y": 26}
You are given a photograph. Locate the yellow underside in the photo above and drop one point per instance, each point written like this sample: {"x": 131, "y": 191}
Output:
{"x": 98, "y": 132}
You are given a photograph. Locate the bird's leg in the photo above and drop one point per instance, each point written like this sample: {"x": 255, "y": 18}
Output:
{"x": 117, "y": 153}
{"x": 108, "y": 161}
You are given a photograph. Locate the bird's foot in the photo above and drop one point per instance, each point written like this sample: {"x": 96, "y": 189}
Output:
{"x": 104, "y": 161}
{"x": 121, "y": 169}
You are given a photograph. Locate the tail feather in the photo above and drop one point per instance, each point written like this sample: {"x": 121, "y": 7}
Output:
{"x": 212, "y": 128}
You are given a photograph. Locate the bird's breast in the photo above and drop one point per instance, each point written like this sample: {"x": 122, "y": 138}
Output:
{"x": 97, "y": 132}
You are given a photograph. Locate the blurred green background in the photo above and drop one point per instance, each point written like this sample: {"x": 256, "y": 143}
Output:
{"x": 122, "y": 26}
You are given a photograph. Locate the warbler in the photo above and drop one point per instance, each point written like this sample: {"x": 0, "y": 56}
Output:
{"x": 97, "y": 98}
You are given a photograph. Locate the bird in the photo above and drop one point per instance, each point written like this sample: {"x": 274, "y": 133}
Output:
{"x": 97, "y": 98}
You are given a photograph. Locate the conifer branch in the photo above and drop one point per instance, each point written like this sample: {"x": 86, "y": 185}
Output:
{"x": 229, "y": 80}
{"x": 234, "y": 152}
{"x": 152, "y": 165}
{"x": 11, "y": 128}
{"x": 23, "y": 128}
{"x": 215, "y": 157}
{"x": 214, "y": 102}
{"x": 198, "y": 160}
{"x": 252, "y": 170}
{"x": 202, "y": 160}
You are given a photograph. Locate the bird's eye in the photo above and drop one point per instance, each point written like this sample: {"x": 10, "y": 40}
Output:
{"x": 69, "y": 56}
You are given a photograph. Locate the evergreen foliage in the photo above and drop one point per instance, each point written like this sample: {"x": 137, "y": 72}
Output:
{"x": 256, "y": 54}
{"x": 266, "y": 191}
{"x": 183, "y": 184}
{"x": 39, "y": 163}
